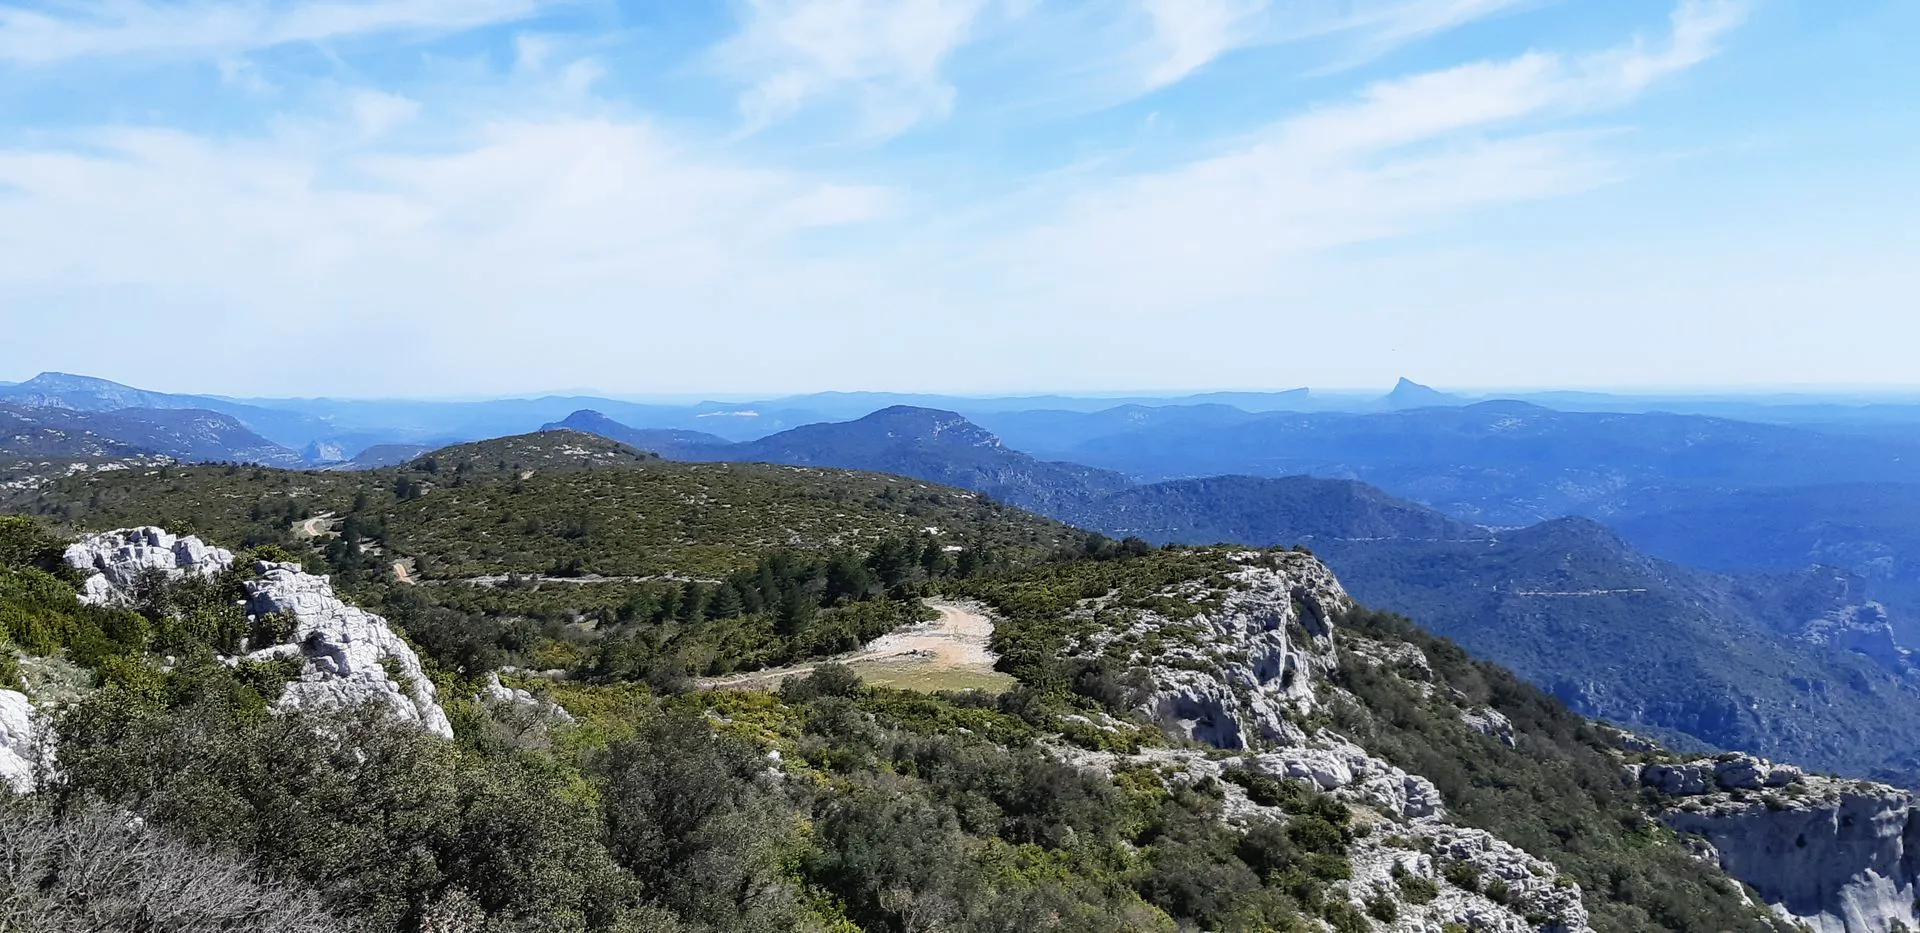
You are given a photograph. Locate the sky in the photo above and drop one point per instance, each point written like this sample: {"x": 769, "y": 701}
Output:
{"x": 460, "y": 197}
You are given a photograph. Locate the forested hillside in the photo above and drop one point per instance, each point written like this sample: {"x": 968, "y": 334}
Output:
{"x": 827, "y": 805}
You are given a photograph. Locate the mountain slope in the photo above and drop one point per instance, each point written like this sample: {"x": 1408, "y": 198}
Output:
{"x": 1508, "y": 463}
{"x": 86, "y": 393}
{"x": 940, "y": 447}
{"x": 183, "y": 434}
{"x": 561, "y": 498}
{"x": 935, "y": 446}
{"x": 672, "y": 443}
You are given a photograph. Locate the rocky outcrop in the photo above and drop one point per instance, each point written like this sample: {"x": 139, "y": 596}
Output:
{"x": 1237, "y": 674}
{"x": 1477, "y": 881}
{"x": 1840, "y": 856}
{"x": 1333, "y": 765}
{"x": 120, "y": 559}
{"x": 1246, "y": 673}
{"x": 19, "y": 741}
{"x": 349, "y": 655}
{"x": 498, "y": 693}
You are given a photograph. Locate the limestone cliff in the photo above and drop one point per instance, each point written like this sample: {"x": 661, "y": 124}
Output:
{"x": 1839, "y": 856}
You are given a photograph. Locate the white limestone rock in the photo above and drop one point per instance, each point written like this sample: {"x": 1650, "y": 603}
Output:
{"x": 1534, "y": 888}
{"x": 496, "y": 692}
{"x": 118, "y": 560}
{"x": 1490, "y": 722}
{"x": 347, "y": 651}
{"x": 1345, "y": 770}
{"x": 1236, "y": 676}
{"x": 19, "y": 741}
{"x": 1839, "y": 856}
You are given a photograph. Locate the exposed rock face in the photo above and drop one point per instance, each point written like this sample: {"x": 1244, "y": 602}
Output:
{"x": 19, "y": 738}
{"x": 350, "y": 655}
{"x": 1238, "y": 671}
{"x": 1334, "y": 765}
{"x": 497, "y": 692}
{"x": 1536, "y": 897}
{"x": 121, "y": 558}
{"x": 1862, "y": 629}
{"x": 1245, "y": 671}
{"x": 1840, "y": 856}
{"x": 1415, "y": 835}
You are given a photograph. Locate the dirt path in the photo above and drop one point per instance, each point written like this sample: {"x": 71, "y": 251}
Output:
{"x": 314, "y": 527}
{"x": 947, "y": 653}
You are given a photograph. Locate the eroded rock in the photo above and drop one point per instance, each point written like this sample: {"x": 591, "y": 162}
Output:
{"x": 19, "y": 741}
{"x": 119, "y": 559}
{"x": 1839, "y": 856}
{"x": 349, "y": 655}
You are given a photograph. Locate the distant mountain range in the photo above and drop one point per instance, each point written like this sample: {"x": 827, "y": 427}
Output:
{"x": 181, "y": 434}
{"x": 1792, "y": 664}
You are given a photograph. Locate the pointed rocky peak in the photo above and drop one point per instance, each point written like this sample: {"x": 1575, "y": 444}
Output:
{"x": 1409, "y": 394}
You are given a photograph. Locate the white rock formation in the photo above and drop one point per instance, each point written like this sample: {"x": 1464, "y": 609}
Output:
{"x": 120, "y": 558}
{"x": 19, "y": 741}
{"x": 1393, "y": 858}
{"x": 350, "y": 655}
{"x": 1839, "y": 856}
{"x": 1244, "y": 672}
{"x": 1237, "y": 675}
{"x": 1334, "y": 765}
{"x": 497, "y": 692}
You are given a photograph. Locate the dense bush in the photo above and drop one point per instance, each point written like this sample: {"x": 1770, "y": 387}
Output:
{"x": 93, "y": 869}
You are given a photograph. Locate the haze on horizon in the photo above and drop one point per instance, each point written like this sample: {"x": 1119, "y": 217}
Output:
{"x": 411, "y": 198}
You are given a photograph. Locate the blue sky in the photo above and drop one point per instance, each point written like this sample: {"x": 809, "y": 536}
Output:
{"x": 444, "y": 197}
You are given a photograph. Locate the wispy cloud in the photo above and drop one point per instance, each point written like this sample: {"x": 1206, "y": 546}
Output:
{"x": 481, "y": 226}
{"x": 1402, "y": 156}
{"x": 882, "y": 58}
{"x": 1190, "y": 33}
{"x": 38, "y": 35}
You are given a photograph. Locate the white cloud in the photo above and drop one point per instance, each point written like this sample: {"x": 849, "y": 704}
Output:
{"x": 546, "y": 239}
{"x": 93, "y": 28}
{"x": 531, "y": 238}
{"x": 1405, "y": 155}
{"x": 881, "y": 57}
{"x": 1191, "y": 33}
